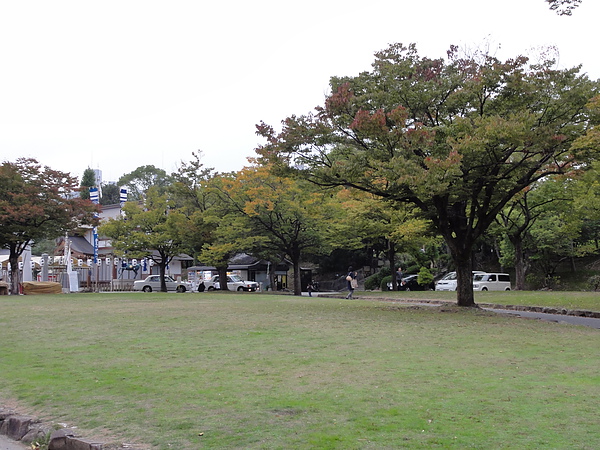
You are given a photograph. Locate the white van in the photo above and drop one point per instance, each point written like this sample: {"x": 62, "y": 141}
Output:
{"x": 491, "y": 282}
{"x": 448, "y": 283}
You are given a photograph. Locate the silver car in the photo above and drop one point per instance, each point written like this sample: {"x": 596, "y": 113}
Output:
{"x": 152, "y": 283}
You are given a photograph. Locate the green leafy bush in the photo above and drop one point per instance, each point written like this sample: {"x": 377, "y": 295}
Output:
{"x": 384, "y": 282}
{"x": 425, "y": 276}
{"x": 594, "y": 282}
{"x": 374, "y": 281}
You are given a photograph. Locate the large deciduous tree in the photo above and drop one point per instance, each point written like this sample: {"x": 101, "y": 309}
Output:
{"x": 457, "y": 137}
{"x": 516, "y": 220}
{"x": 377, "y": 223}
{"x": 37, "y": 203}
{"x": 143, "y": 178}
{"x": 520, "y": 218}
{"x": 196, "y": 198}
{"x": 279, "y": 215}
{"x": 152, "y": 230}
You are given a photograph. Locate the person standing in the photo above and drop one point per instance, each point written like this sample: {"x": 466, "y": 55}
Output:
{"x": 351, "y": 280}
{"x": 399, "y": 276}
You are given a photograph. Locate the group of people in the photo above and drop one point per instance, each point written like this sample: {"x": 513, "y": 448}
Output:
{"x": 353, "y": 284}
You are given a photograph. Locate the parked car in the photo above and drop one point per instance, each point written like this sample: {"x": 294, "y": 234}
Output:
{"x": 448, "y": 282}
{"x": 491, "y": 282}
{"x": 152, "y": 283}
{"x": 410, "y": 283}
{"x": 234, "y": 283}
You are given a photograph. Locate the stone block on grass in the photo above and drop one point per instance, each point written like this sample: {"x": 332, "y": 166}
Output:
{"x": 15, "y": 427}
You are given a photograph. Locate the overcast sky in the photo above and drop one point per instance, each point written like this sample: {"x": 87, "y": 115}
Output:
{"x": 117, "y": 84}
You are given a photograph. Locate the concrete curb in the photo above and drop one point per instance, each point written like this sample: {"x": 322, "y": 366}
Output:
{"x": 545, "y": 310}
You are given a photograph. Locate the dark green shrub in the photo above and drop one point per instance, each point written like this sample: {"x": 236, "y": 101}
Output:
{"x": 425, "y": 277}
{"x": 384, "y": 282}
{"x": 541, "y": 282}
{"x": 374, "y": 281}
{"x": 594, "y": 282}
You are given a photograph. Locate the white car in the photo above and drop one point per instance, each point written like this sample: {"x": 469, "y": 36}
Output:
{"x": 152, "y": 283}
{"x": 234, "y": 283}
{"x": 448, "y": 283}
{"x": 491, "y": 282}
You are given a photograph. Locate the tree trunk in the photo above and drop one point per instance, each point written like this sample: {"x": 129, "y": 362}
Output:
{"x": 14, "y": 273}
{"x": 16, "y": 277}
{"x": 462, "y": 256}
{"x": 223, "y": 278}
{"x": 162, "y": 269}
{"x": 460, "y": 238}
{"x": 464, "y": 282}
{"x": 519, "y": 264}
{"x": 392, "y": 261}
{"x": 272, "y": 279}
{"x": 297, "y": 280}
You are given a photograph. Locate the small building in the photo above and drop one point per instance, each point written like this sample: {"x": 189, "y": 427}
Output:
{"x": 268, "y": 275}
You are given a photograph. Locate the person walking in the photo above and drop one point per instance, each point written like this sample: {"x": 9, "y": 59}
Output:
{"x": 351, "y": 280}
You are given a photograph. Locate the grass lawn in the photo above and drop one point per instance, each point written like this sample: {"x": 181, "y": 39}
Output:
{"x": 254, "y": 371}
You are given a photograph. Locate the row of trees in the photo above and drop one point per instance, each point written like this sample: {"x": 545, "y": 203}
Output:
{"x": 136, "y": 182}
{"x": 464, "y": 150}
{"x": 213, "y": 216}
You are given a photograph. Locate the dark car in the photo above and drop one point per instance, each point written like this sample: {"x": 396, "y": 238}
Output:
{"x": 409, "y": 283}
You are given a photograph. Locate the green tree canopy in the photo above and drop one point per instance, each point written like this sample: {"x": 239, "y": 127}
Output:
{"x": 151, "y": 231}
{"x": 143, "y": 178}
{"x": 534, "y": 215}
{"x": 379, "y": 224}
{"x": 457, "y": 137}
{"x": 191, "y": 193}
{"x": 278, "y": 216}
{"x": 110, "y": 194}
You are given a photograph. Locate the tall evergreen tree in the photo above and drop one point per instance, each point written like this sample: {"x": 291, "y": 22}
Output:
{"x": 88, "y": 180}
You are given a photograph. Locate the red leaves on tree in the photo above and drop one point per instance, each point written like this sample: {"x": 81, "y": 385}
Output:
{"x": 369, "y": 122}
{"x": 339, "y": 100}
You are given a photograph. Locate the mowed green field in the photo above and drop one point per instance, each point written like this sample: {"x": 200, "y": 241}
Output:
{"x": 255, "y": 371}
